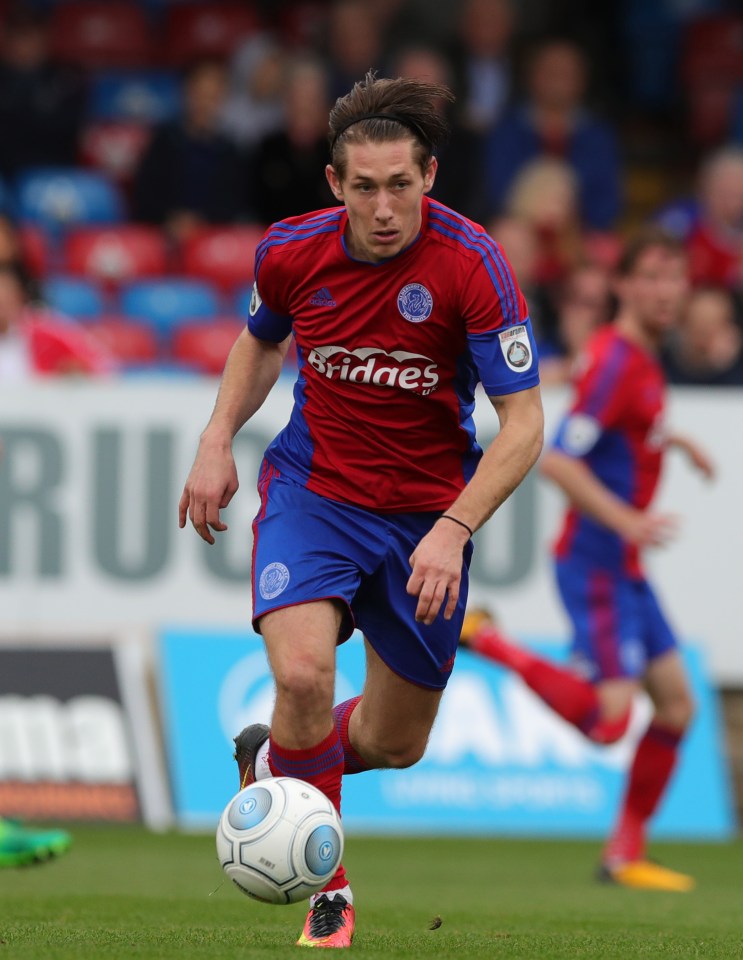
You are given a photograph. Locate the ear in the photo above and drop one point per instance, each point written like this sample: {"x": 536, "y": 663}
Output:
{"x": 334, "y": 181}
{"x": 430, "y": 175}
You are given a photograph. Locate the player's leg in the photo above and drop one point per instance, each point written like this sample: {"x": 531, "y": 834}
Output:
{"x": 596, "y": 699}
{"x": 655, "y": 758}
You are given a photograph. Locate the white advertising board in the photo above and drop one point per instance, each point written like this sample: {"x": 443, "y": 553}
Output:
{"x": 92, "y": 474}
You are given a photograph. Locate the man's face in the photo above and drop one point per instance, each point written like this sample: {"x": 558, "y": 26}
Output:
{"x": 382, "y": 189}
{"x": 656, "y": 289}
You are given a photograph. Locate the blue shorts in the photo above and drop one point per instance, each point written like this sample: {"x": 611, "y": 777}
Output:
{"x": 618, "y": 625}
{"x": 306, "y": 547}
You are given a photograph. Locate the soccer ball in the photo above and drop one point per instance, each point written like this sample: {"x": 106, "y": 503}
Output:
{"x": 279, "y": 840}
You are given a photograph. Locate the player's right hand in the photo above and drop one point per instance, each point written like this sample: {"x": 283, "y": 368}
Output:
{"x": 210, "y": 486}
{"x": 648, "y": 529}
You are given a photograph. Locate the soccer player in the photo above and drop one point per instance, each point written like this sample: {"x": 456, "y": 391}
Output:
{"x": 369, "y": 496}
{"x": 607, "y": 458}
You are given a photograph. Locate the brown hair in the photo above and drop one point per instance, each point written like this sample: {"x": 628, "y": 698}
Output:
{"x": 382, "y": 110}
{"x": 647, "y": 238}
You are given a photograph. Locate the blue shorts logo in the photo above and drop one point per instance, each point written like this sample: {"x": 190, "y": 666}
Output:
{"x": 415, "y": 303}
{"x": 273, "y": 581}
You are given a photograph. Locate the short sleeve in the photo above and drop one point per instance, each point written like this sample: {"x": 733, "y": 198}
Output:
{"x": 601, "y": 395}
{"x": 268, "y": 317}
{"x": 499, "y": 331}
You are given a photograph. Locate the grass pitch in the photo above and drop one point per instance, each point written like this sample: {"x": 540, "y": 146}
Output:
{"x": 127, "y": 893}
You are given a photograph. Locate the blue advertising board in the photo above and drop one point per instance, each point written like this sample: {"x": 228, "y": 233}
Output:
{"x": 498, "y": 761}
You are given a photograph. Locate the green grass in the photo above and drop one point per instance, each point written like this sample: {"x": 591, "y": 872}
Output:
{"x": 127, "y": 893}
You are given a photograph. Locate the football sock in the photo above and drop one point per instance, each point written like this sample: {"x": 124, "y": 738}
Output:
{"x": 573, "y": 698}
{"x": 649, "y": 774}
{"x": 322, "y": 766}
{"x": 352, "y": 761}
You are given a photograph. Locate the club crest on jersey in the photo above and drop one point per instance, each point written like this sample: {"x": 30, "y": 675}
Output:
{"x": 415, "y": 303}
{"x": 273, "y": 580}
{"x": 516, "y": 349}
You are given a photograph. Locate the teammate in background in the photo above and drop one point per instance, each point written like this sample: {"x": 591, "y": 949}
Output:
{"x": 20, "y": 846}
{"x": 607, "y": 458}
{"x": 369, "y": 496}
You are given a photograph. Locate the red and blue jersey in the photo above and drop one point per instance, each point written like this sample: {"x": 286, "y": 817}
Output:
{"x": 615, "y": 425}
{"x": 389, "y": 355}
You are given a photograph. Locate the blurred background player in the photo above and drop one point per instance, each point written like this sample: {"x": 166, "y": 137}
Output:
{"x": 606, "y": 458}
{"x": 419, "y": 305}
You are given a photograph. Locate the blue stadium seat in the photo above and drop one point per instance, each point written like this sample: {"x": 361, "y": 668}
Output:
{"x": 60, "y": 197}
{"x": 147, "y": 96}
{"x": 242, "y": 300}
{"x": 74, "y": 297}
{"x": 168, "y": 302}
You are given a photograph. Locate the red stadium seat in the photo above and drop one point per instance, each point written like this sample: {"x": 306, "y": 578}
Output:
{"x": 115, "y": 254}
{"x": 115, "y": 148}
{"x": 34, "y": 249}
{"x": 204, "y": 346}
{"x": 223, "y": 255}
{"x": 711, "y": 69}
{"x": 196, "y": 30}
{"x": 101, "y": 33}
{"x": 130, "y": 343}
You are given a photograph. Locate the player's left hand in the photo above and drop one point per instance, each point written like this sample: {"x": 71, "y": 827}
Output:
{"x": 699, "y": 459}
{"x": 437, "y": 571}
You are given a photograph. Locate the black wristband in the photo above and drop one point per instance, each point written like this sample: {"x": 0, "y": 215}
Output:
{"x": 470, "y": 531}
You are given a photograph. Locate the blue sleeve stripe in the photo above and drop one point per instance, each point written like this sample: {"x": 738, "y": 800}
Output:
{"x": 278, "y": 237}
{"x": 486, "y": 246}
{"x": 607, "y": 379}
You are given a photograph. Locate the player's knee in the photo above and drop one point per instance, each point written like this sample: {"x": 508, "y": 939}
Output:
{"x": 676, "y": 712}
{"x": 304, "y": 683}
{"x": 608, "y": 730}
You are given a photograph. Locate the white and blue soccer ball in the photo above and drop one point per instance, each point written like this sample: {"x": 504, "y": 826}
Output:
{"x": 279, "y": 840}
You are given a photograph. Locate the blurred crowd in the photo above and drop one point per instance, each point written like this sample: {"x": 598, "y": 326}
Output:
{"x": 143, "y": 152}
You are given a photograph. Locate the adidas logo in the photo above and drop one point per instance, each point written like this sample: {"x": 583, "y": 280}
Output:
{"x": 323, "y": 298}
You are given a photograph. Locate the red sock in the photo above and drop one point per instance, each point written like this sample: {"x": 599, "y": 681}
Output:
{"x": 322, "y": 766}
{"x": 651, "y": 770}
{"x": 353, "y": 762}
{"x": 572, "y": 697}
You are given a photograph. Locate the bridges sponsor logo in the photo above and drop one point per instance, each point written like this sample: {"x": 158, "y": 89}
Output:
{"x": 406, "y": 371}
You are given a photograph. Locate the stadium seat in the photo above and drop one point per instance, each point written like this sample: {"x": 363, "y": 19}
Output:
{"x": 115, "y": 254}
{"x": 131, "y": 343}
{"x": 196, "y": 30}
{"x": 242, "y": 300}
{"x": 101, "y": 33}
{"x": 204, "y": 346}
{"x": 146, "y": 96}
{"x": 35, "y": 249}
{"x": 711, "y": 69}
{"x": 223, "y": 255}
{"x": 74, "y": 297}
{"x": 115, "y": 148}
{"x": 60, "y": 197}
{"x": 167, "y": 302}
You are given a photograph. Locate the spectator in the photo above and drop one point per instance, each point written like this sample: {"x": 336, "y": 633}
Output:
{"x": 289, "y": 171}
{"x": 254, "y": 106}
{"x": 32, "y": 342}
{"x": 481, "y": 62}
{"x": 583, "y": 305}
{"x": 715, "y": 243}
{"x": 544, "y": 193}
{"x": 41, "y": 102}
{"x": 191, "y": 173}
{"x": 708, "y": 347}
{"x": 553, "y": 121}
{"x": 354, "y": 45}
{"x": 520, "y": 243}
{"x": 459, "y": 176}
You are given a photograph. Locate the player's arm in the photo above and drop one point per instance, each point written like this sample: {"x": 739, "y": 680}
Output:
{"x": 696, "y": 455}
{"x": 253, "y": 367}
{"x": 437, "y": 560}
{"x": 594, "y": 499}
